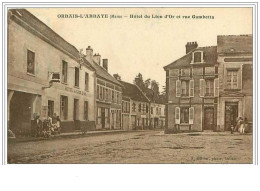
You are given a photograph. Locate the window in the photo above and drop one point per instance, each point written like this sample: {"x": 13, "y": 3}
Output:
{"x": 85, "y": 110}
{"x": 197, "y": 56}
{"x": 64, "y": 107}
{"x": 232, "y": 79}
{"x": 151, "y": 110}
{"x": 147, "y": 109}
{"x": 113, "y": 96}
{"x": 76, "y": 77}
{"x": 209, "y": 87}
{"x": 86, "y": 81}
{"x": 106, "y": 94}
{"x": 216, "y": 87}
{"x": 139, "y": 107}
{"x": 177, "y": 115}
{"x": 185, "y": 88}
{"x": 30, "y": 62}
{"x": 133, "y": 107}
{"x": 202, "y": 87}
{"x": 98, "y": 115}
{"x": 178, "y": 88}
{"x": 185, "y": 72}
{"x": 184, "y": 115}
{"x": 191, "y": 88}
{"x": 64, "y": 73}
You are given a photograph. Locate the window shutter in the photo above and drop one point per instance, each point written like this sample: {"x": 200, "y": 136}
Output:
{"x": 178, "y": 88}
{"x": 191, "y": 88}
{"x": 191, "y": 115}
{"x": 177, "y": 115}
{"x": 216, "y": 87}
{"x": 202, "y": 87}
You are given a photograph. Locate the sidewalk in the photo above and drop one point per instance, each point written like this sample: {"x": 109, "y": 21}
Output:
{"x": 75, "y": 134}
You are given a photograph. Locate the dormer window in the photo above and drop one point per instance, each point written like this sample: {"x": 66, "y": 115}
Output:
{"x": 197, "y": 57}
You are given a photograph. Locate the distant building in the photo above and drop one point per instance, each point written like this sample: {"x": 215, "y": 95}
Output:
{"x": 191, "y": 95}
{"x": 108, "y": 94}
{"x": 156, "y": 105}
{"x": 135, "y": 108}
{"x": 235, "y": 58}
{"x": 37, "y": 57}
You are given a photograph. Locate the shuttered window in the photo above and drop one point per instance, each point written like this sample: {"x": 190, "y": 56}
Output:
{"x": 178, "y": 88}
{"x": 191, "y": 88}
{"x": 177, "y": 115}
{"x": 191, "y": 115}
{"x": 202, "y": 87}
{"x": 216, "y": 87}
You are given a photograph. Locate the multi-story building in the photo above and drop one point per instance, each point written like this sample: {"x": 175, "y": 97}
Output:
{"x": 191, "y": 89}
{"x": 235, "y": 58}
{"x": 108, "y": 93}
{"x": 210, "y": 87}
{"x": 135, "y": 108}
{"x": 37, "y": 56}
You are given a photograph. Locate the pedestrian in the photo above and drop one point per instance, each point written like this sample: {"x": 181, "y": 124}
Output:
{"x": 238, "y": 122}
{"x": 245, "y": 125}
{"x": 37, "y": 125}
{"x": 232, "y": 129}
{"x": 58, "y": 124}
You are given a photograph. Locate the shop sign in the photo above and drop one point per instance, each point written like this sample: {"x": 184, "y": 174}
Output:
{"x": 75, "y": 91}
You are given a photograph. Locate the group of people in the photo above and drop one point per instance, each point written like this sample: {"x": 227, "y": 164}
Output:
{"x": 49, "y": 126}
{"x": 241, "y": 125}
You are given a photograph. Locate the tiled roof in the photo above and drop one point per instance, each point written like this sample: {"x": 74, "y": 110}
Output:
{"x": 209, "y": 56}
{"x": 132, "y": 91}
{"x": 34, "y": 25}
{"x": 101, "y": 72}
{"x": 235, "y": 44}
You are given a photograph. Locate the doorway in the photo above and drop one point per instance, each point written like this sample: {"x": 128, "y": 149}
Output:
{"x": 231, "y": 114}
{"x": 103, "y": 118}
{"x": 50, "y": 108}
{"x": 209, "y": 118}
{"x": 21, "y": 109}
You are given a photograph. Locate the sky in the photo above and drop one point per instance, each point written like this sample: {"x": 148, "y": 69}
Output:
{"x": 144, "y": 45}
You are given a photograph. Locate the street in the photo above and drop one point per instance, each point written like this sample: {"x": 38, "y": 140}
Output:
{"x": 137, "y": 147}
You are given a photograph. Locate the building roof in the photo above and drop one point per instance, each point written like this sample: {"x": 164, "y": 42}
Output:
{"x": 152, "y": 96}
{"x": 37, "y": 27}
{"x": 209, "y": 56}
{"x": 132, "y": 91}
{"x": 235, "y": 44}
{"x": 101, "y": 72}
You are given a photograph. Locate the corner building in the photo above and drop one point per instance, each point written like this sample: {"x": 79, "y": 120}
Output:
{"x": 192, "y": 89}
{"x": 35, "y": 53}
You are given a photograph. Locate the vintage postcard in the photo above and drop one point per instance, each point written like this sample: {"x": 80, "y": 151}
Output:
{"x": 130, "y": 85}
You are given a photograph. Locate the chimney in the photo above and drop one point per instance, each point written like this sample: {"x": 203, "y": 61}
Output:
{"x": 105, "y": 64}
{"x": 191, "y": 46}
{"x": 89, "y": 54}
{"x": 97, "y": 59}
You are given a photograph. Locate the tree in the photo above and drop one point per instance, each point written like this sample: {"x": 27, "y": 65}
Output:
{"x": 155, "y": 87}
{"x": 147, "y": 83}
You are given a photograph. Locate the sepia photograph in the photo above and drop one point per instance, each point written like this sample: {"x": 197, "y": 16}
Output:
{"x": 130, "y": 85}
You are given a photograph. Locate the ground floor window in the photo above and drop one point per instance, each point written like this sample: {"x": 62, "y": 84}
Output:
{"x": 184, "y": 115}
{"x": 64, "y": 107}
{"x": 85, "y": 110}
{"x": 98, "y": 121}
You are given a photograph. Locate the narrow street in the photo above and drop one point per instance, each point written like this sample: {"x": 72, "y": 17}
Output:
{"x": 137, "y": 147}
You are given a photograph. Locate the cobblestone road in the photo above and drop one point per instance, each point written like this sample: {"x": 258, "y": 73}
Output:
{"x": 137, "y": 147}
